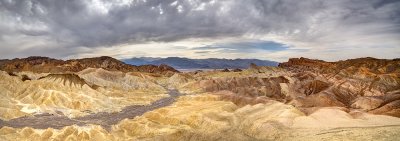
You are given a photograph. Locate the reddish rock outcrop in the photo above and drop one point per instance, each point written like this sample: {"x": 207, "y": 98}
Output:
{"x": 306, "y": 64}
{"x": 368, "y": 84}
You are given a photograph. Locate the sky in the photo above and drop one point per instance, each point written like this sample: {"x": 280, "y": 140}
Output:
{"x": 264, "y": 29}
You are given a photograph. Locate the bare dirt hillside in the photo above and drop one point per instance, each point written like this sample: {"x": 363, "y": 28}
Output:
{"x": 302, "y": 99}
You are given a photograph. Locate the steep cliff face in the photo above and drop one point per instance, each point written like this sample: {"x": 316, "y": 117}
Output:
{"x": 49, "y": 65}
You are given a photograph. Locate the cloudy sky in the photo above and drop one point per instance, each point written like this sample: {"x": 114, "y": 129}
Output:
{"x": 264, "y": 29}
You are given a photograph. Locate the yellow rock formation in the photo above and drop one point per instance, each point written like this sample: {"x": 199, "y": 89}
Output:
{"x": 206, "y": 117}
{"x": 74, "y": 95}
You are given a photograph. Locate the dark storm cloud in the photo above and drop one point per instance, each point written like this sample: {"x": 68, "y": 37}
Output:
{"x": 78, "y": 23}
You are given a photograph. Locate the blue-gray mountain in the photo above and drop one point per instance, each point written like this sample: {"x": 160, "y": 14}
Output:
{"x": 210, "y": 63}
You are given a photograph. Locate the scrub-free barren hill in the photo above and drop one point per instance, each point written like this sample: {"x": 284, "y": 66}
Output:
{"x": 104, "y": 99}
{"x": 49, "y": 65}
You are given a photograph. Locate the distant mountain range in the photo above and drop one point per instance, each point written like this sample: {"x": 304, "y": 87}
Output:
{"x": 210, "y": 63}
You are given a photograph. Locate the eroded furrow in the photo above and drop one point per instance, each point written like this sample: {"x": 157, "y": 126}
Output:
{"x": 106, "y": 120}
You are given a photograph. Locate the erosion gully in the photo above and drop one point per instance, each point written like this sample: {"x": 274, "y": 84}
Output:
{"x": 105, "y": 119}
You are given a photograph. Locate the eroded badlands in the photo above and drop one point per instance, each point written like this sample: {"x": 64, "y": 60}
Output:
{"x": 302, "y": 99}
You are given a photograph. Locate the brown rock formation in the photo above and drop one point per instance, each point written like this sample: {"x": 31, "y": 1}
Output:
{"x": 366, "y": 66}
{"x": 49, "y": 65}
{"x": 250, "y": 87}
{"x": 368, "y": 84}
{"x": 161, "y": 69}
{"x": 306, "y": 64}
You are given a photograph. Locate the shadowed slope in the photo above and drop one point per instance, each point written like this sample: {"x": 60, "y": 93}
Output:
{"x": 68, "y": 79}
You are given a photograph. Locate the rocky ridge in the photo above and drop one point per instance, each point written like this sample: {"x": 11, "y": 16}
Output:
{"x": 49, "y": 65}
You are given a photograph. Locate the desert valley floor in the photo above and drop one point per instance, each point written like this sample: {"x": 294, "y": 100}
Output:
{"x": 104, "y": 99}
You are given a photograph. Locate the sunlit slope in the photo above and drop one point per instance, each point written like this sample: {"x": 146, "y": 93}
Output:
{"x": 74, "y": 94}
{"x": 206, "y": 117}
